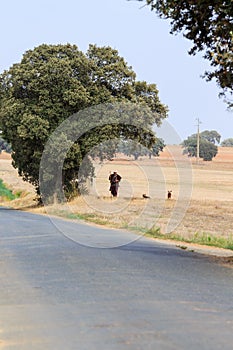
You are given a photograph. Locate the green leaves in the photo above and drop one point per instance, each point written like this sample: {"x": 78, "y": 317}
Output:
{"x": 227, "y": 143}
{"x": 53, "y": 83}
{"x": 209, "y": 25}
{"x": 208, "y": 149}
{"x": 211, "y": 136}
{"x": 33, "y": 127}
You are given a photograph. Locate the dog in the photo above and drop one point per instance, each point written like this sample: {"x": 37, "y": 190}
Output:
{"x": 169, "y": 194}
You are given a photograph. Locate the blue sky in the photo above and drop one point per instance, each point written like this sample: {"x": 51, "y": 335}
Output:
{"x": 140, "y": 37}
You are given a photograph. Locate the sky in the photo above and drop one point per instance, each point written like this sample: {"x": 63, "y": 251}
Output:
{"x": 141, "y": 38}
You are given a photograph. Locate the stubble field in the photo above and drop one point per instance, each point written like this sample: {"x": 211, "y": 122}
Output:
{"x": 201, "y": 203}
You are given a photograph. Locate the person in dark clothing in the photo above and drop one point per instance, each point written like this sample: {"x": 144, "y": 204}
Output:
{"x": 114, "y": 183}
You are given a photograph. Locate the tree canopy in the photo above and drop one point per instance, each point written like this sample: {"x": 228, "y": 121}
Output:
{"x": 207, "y": 148}
{"x": 211, "y": 136}
{"x": 227, "y": 142}
{"x": 209, "y": 25}
{"x": 133, "y": 148}
{"x": 53, "y": 82}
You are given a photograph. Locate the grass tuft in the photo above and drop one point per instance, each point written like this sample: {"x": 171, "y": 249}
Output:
{"x": 6, "y": 193}
{"x": 198, "y": 238}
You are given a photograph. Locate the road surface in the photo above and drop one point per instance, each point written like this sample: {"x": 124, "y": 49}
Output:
{"x": 58, "y": 294}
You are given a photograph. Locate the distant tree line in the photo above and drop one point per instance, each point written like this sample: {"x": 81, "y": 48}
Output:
{"x": 227, "y": 142}
{"x": 133, "y": 148}
{"x": 5, "y": 146}
{"x": 108, "y": 150}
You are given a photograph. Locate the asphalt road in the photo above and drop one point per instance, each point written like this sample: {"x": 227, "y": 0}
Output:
{"x": 58, "y": 294}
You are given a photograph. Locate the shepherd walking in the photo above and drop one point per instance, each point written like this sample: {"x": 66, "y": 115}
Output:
{"x": 114, "y": 183}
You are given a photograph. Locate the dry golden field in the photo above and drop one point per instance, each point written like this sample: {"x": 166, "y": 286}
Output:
{"x": 202, "y": 193}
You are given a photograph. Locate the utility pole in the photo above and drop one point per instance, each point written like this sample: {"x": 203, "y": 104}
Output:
{"x": 198, "y": 139}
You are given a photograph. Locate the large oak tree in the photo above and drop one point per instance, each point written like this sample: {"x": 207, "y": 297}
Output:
{"x": 53, "y": 82}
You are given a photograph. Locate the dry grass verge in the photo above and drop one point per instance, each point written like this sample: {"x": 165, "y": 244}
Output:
{"x": 205, "y": 217}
